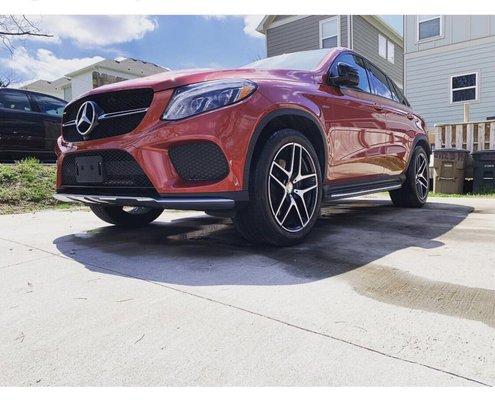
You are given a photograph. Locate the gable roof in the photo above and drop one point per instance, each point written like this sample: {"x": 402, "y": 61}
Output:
{"x": 131, "y": 66}
{"x": 375, "y": 20}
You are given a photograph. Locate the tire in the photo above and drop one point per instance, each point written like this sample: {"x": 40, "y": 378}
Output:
{"x": 117, "y": 215}
{"x": 414, "y": 191}
{"x": 276, "y": 213}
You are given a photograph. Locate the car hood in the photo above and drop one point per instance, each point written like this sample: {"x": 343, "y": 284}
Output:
{"x": 171, "y": 79}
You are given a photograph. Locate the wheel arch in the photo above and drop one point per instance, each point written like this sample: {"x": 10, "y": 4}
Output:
{"x": 297, "y": 119}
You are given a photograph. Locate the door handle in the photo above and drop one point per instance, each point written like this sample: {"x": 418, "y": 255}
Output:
{"x": 378, "y": 106}
{"x": 410, "y": 116}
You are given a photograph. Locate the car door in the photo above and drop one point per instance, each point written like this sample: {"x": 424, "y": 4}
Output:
{"x": 51, "y": 110}
{"x": 401, "y": 123}
{"x": 357, "y": 127}
{"x": 21, "y": 128}
{"x": 390, "y": 147}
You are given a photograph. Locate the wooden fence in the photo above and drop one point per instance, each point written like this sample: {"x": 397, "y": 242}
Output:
{"x": 473, "y": 136}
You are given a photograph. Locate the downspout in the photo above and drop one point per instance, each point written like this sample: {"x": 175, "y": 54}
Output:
{"x": 351, "y": 19}
{"x": 349, "y": 43}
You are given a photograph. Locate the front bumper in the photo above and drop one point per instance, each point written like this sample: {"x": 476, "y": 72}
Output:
{"x": 150, "y": 144}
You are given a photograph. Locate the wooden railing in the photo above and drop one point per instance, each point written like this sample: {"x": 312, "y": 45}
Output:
{"x": 473, "y": 136}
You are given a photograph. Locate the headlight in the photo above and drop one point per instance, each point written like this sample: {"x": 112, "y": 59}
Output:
{"x": 201, "y": 97}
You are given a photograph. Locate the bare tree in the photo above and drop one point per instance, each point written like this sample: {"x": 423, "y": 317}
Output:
{"x": 7, "y": 79}
{"x": 17, "y": 26}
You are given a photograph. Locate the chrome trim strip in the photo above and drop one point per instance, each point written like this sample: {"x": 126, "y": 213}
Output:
{"x": 366, "y": 191}
{"x": 70, "y": 123}
{"x": 185, "y": 203}
{"x": 117, "y": 114}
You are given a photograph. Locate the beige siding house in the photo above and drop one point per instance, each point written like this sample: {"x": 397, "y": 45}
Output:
{"x": 368, "y": 35}
{"x": 76, "y": 83}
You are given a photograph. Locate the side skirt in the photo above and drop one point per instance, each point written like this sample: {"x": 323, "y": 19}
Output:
{"x": 336, "y": 192}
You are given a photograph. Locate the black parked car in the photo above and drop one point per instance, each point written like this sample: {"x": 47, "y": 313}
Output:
{"x": 29, "y": 124}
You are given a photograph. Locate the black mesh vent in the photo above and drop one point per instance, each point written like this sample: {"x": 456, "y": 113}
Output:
{"x": 199, "y": 161}
{"x": 109, "y": 102}
{"x": 120, "y": 170}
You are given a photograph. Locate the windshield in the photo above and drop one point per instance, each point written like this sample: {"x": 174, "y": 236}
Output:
{"x": 302, "y": 60}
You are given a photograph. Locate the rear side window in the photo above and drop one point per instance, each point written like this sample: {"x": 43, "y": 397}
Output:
{"x": 13, "y": 100}
{"x": 379, "y": 83}
{"x": 397, "y": 93}
{"x": 358, "y": 64}
{"x": 49, "y": 105}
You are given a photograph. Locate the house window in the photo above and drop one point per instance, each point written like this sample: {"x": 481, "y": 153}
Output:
{"x": 429, "y": 26}
{"x": 386, "y": 48}
{"x": 464, "y": 88}
{"x": 329, "y": 33}
{"x": 390, "y": 52}
{"x": 382, "y": 46}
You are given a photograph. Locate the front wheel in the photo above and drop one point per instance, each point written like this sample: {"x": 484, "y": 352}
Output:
{"x": 285, "y": 191}
{"x": 414, "y": 191}
{"x": 131, "y": 217}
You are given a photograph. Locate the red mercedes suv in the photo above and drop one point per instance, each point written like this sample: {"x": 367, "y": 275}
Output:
{"x": 265, "y": 144}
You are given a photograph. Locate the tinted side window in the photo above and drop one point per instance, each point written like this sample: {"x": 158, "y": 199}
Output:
{"x": 13, "y": 100}
{"x": 378, "y": 81}
{"x": 49, "y": 105}
{"x": 401, "y": 98}
{"x": 356, "y": 62}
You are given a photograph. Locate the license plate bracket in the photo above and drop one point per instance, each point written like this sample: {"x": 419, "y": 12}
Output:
{"x": 89, "y": 169}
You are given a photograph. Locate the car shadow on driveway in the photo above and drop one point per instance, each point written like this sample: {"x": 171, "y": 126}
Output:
{"x": 207, "y": 251}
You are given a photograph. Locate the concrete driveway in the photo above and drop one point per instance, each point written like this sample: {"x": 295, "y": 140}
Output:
{"x": 376, "y": 296}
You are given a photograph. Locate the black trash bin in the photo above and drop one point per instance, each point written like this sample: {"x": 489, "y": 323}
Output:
{"x": 484, "y": 171}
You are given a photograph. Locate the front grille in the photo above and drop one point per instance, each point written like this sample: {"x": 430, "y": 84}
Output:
{"x": 109, "y": 102}
{"x": 120, "y": 170}
{"x": 199, "y": 161}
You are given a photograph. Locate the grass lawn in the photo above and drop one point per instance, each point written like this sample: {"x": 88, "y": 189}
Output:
{"x": 28, "y": 185}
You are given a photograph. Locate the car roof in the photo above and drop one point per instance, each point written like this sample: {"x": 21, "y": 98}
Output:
{"x": 32, "y": 92}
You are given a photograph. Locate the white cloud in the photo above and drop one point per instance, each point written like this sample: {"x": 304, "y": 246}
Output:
{"x": 97, "y": 30}
{"x": 251, "y": 22}
{"x": 218, "y": 17}
{"x": 43, "y": 64}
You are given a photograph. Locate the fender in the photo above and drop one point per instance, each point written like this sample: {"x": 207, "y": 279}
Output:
{"x": 423, "y": 139}
{"x": 265, "y": 121}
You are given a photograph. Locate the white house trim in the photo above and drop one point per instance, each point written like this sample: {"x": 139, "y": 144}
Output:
{"x": 476, "y": 87}
{"x": 449, "y": 47}
{"x": 321, "y": 22}
{"x": 440, "y": 36}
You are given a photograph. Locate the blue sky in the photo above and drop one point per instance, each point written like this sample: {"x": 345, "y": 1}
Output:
{"x": 172, "y": 41}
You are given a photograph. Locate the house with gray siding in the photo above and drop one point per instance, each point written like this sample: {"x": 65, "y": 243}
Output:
{"x": 368, "y": 35}
{"x": 449, "y": 61}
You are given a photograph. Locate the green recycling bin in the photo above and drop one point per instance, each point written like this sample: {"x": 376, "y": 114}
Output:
{"x": 484, "y": 171}
{"x": 450, "y": 170}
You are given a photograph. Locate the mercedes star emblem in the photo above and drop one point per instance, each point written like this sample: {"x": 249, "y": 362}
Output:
{"x": 87, "y": 117}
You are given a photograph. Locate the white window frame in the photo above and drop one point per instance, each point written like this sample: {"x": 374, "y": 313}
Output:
{"x": 337, "y": 19}
{"x": 387, "y": 43}
{"x": 439, "y": 36}
{"x": 476, "y": 88}
{"x": 379, "y": 42}
{"x": 390, "y": 59}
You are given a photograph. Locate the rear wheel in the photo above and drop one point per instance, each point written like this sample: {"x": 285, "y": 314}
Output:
{"x": 285, "y": 191}
{"x": 126, "y": 216}
{"x": 414, "y": 191}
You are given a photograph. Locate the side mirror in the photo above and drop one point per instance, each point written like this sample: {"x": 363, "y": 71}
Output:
{"x": 347, "y": 76}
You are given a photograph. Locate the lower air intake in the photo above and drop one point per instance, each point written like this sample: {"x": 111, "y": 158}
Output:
{"x": 200, "y": 161}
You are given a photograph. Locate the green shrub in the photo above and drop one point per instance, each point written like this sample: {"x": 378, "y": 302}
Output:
{"x": 26, "y": 185}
